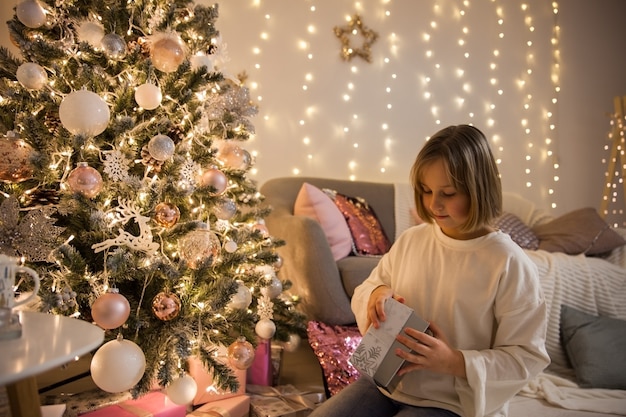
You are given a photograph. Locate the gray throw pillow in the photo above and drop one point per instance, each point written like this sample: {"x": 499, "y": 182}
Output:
{"x": 596, "y": 348}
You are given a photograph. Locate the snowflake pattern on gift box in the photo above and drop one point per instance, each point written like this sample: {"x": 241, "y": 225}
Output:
{"x": 366, "y": 359}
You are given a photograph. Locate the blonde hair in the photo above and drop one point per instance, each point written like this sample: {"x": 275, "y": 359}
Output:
{"x": 471, "y": 169}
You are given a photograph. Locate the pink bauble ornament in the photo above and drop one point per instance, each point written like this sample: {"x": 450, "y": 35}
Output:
{"x": 214, "y": 179}
{"x": 241, "y": 354}
{"x": 167, "y": 52}
{"x": 148, "y": 96}
{"x": 85, "y": 180}
{"x": 114, "y": 46}
{"x": 166, "y": 214}
{"x": 31, "y": 76}
{"x": 230, "y": 246}
{"x": 166, "y": 306}
{"x": 265, "y": 329}
{"x": 15, "y": 157}
{"x": 262, "y": 228}
{"x": 91, "y": 32}
{"x": 278, "y": 264}
{"x": 110, "y": 310}
{"x": 118, "y": 365}
{"x": 199, "y": 246}
{"x": 161, "y": 147}
{"x": 83, "y": 112}
{"x": 182, "y": 390}
{"x": 30, "y": 13}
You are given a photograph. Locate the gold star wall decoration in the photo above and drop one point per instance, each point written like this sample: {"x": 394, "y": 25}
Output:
{"x": 355, "y": 27}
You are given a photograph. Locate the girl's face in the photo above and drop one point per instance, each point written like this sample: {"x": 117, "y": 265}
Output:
{"x": 448, "y": 206}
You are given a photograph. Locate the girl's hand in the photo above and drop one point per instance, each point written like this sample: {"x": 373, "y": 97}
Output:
{"x": 430, "y": 352}
{"x": 376, "y": 304}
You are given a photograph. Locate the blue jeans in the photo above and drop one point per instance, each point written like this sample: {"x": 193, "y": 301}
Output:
{"x": 363, "y": 399}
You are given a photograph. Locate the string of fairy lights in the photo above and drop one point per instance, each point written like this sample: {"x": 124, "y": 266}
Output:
{"x": 493, "y": 64}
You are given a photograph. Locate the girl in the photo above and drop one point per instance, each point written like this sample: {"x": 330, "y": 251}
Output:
{"x": 476, "y": 287}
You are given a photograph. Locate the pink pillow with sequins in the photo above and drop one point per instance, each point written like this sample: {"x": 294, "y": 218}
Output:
{"x": 314, "y": 203}
{"x": 368, "y": 236}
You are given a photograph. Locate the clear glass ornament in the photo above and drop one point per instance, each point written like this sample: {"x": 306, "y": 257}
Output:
{"x": 234, "y": 156}
{"x": 241, "y": 354}
{"x": 83, "y": 112}
{"x": 166, "y": 306}
{"x": 225, "y": 208}
{"x": 85, "y": 180}
{"x": 32, "y": 76}
{"x": 198, "y": 246}
{"x": 166, "y": 214}
{"x": 161, "y": 147}
{"x": 167, "y": 52}
{"x": 114, "y": 46}
{"x": 15, "y": 154}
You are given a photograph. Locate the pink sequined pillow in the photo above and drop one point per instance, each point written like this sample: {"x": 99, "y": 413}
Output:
{"x": 368, "y": 236}
{"x": 333, "y": 346}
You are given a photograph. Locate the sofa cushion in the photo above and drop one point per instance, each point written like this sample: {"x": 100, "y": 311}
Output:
{"x": 368, "y": 236}
{"x": 596, "y": 348}
{"x": 354, "y": 270}
{"x": 314, "y": 203}
{"x": 579, "y": 231}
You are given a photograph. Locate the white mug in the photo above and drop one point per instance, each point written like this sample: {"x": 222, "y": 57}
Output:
{"x": 9, "y": 267}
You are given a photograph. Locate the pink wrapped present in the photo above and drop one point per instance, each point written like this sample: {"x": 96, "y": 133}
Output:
{"x": 153, "y": 404}
{"x": 261, "y": 372}
{"x": 207, "y": 390}
{"x": 231, "y": 407}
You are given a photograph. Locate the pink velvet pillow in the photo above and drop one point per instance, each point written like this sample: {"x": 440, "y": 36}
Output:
{"x": 314, "y": 203}
{"x": 368, "y": 236}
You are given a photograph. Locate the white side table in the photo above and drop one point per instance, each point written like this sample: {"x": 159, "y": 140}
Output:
{"x": 47, "y": 341}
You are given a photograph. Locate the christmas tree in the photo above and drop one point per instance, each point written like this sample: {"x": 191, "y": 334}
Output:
{"x": 124, "y": 184}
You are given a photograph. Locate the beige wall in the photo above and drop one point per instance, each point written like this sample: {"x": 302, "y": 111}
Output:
{"x": 322, "y": 116}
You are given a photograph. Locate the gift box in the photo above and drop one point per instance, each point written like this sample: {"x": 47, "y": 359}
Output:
{"x": 153, "y": 404}
{"x": 375, "y": 355}
{"x": 207, "y": 390}
{"x": 231, "y": 407}
{"x": 277, "y": 361}
{"x": 261, "y": 370}
{"x": 282, "y": 401}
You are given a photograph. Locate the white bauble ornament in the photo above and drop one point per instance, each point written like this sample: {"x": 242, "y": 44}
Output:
{"x": 114, "y": 46}
{"x": 83, "y": 112}
{"x": 118, "y": 365}
{"x": 167, "y": 52}
{"x": 91, "y": 32}
{"x": 293, "y": 343}
{"x": 182, "y": 390}
{"x": 32, "y": 76}
{"x": 201, "y": 60}
{"x": 274, "y": 286}
{"x": 110, "y": 310}
{"x": 148, "y": 96}
{"x": 161, "y": 147}
{"x": 30, "y": 13}
{"x": 242, "y": 298}
{"x": 265, "y": 329}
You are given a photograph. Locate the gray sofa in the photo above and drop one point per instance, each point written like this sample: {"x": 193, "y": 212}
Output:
{"x": 307, "y": 260}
